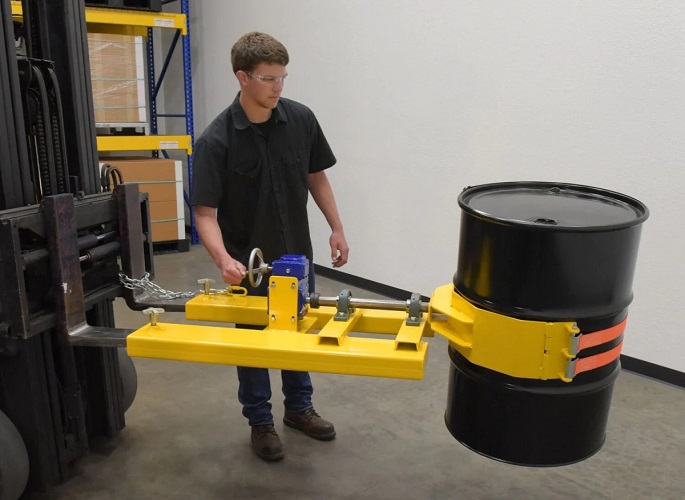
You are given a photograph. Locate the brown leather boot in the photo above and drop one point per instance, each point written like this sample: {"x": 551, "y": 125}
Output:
{"x": 266, "y": 443}
{"x": 309, "y": 422}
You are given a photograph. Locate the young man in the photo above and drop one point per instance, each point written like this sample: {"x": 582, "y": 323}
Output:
{"x": 254, "y": 166}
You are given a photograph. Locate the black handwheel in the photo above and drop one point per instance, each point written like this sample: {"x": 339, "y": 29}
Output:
{"x": 14, "y": 461}
{"x": 255, "y": 274}
{"x": 129, "y": 378}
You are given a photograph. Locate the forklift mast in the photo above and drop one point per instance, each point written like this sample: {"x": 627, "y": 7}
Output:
{"x": 58, "y": 396}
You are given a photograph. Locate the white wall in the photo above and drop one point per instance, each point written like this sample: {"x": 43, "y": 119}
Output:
{"x": 420, "y": 99}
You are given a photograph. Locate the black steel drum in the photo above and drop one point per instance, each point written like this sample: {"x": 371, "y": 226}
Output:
{"x": 544, "y": 252}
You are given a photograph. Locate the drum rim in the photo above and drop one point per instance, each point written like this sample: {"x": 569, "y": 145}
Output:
{"x": 641, "y": 210}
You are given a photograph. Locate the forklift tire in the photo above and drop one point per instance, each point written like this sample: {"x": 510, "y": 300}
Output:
{"x": 14, "y": 461}
{"x": 129, "y": 379}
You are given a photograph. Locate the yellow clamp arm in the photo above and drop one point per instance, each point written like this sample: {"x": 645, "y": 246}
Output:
{"x": 519, "y": 348}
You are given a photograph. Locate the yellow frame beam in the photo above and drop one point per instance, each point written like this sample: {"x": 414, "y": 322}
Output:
{"x": 228, "y": 308}
{"x": 143, "y": 143}
{"x": 121, "y": 21}
{"x": 285, "y": 344}
{"x": 277, "y": 349}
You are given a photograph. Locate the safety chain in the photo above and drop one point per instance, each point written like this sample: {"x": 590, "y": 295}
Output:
{"x": 152, "y": 289}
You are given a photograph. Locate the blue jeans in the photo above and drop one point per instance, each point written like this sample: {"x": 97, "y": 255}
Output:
{"x": 254, "y": 391}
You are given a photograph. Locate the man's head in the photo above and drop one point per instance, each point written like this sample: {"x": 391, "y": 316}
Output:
{"x": 259, "y": 62}
{"x": 255, "y": 48}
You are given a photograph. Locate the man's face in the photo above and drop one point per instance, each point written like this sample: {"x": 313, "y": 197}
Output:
{"x": 264, "y": 84}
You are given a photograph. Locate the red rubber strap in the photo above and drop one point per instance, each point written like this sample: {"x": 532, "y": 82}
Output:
{"x": 598, "y": 360}
{"x": 599, "y": 337}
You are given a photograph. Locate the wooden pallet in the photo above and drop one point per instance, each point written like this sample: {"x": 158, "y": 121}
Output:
{"x": 175, "y": 246}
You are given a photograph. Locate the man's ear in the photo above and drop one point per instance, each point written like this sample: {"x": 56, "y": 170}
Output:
{"x": 242, "y": 77}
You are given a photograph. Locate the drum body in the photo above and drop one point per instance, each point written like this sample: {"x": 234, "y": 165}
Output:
{"x": 542, "y": 252}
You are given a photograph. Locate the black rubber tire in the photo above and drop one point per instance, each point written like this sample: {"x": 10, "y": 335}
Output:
{"x": 14, "y": 461}
{"x": 129, "y": 378}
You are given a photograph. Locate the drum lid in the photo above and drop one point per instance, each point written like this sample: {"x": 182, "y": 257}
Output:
{"x": 552, "y": 206}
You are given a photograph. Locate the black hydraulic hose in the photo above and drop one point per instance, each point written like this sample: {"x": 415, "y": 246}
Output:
{"x": 58, "y": 151}
{"x": 41, "y": 150}
{"x": 47, "y": 149}
{"x": 32, "y": 108}
{"x": 58, "y": 139}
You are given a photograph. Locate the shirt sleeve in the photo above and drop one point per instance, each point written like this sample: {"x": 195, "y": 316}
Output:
{"x": 209, "y": 175}
{"x": 321, "y": 154}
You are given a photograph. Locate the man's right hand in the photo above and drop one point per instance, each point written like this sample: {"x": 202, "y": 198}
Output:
{"x": 232, "y": 271}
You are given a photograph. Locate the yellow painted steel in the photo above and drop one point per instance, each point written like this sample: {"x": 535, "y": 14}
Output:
{"x": 144, "y": 142}
{"x": 409, "y": 337}
{"x": 284, "y": 343}
{"x": 278, "y": 349}
{"x": 119, "y": 20}
{"x": 519, "y": 348}
{"x": 371, "y": 321}
{"x": 283, "y": 313}
{"x": 118, "y": 29}
{"x": 226, "y": 307}
{"x": 335, "y": 332}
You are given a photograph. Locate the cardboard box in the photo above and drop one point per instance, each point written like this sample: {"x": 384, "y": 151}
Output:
{"x": 162, "y": 179}
{"x": 161, "y": 190}
{"x": 163, "y": 211}
{"x": 117, "y": 70}
{"x": 146, "y": 169}
{"x": 117, "y": 102}
{"x": 166, "y": 231}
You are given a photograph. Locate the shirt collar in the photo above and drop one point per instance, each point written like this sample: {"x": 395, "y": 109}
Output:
{"x": 240, "y": 119}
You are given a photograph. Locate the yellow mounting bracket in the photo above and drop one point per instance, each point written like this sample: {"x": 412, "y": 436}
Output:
{"x": 519, "y": 348}
{"x": 283, "y": 303}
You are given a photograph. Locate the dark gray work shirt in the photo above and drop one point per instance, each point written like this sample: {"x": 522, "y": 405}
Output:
{"x": 257, "y": 178}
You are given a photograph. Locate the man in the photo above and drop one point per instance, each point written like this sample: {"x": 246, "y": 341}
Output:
{"x": 254, "y": 166}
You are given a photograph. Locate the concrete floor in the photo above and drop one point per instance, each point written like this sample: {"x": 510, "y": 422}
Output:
{"x": 186, "y": 438}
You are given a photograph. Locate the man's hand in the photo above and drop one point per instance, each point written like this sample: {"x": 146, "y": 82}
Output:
{"x": 232, "y": 271}
{"x": 339, "y": 249}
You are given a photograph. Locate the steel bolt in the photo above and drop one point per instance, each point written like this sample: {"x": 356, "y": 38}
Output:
{"x": 207, "y": 282}
{"x": 153, "y": 312}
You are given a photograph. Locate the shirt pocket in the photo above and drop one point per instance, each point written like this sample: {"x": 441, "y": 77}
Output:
{"x": 248, "y": 170}
{"x": 244, "y": 182}
{"x": 296, "y": 166}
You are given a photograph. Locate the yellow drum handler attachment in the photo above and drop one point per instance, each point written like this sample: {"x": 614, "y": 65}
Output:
{"x": 346, "y": 335}
{"x": 300, "y": 332}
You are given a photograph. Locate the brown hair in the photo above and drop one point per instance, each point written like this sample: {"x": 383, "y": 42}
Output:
{"x": 255, "y": 48}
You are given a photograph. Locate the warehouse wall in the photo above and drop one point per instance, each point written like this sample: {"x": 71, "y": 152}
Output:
{"x": 420, "y": 99}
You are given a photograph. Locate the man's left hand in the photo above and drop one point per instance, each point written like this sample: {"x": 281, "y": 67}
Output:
{"x": 339, "y": 249}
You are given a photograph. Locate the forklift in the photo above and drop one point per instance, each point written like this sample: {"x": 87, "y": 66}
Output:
{"x": 54, "y": 396}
